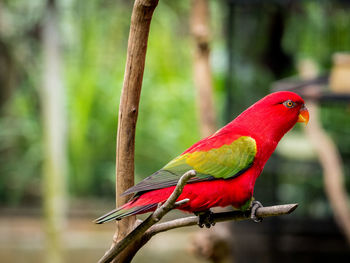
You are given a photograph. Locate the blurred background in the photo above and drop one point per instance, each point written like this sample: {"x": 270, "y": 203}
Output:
{"x": 61, "y": 73}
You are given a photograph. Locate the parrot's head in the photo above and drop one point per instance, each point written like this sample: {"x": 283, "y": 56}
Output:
{"x": 275, "y": 114}
{"x": 284, "y": 107}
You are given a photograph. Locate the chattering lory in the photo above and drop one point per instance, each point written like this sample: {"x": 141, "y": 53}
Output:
{"x": 227, "y": 163}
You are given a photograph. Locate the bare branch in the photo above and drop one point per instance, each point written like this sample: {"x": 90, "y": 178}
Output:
{"x": 129, "y": 105}
{"x": 181, "y": 202}
{"x": 202, "y": 75}
{"x": 169, "y": 204}
{"x": 266, "y": 211}
{"x": 144, "y": 231}
{"x": 326, "y": 149}
{"x": 137, "y": 233}
{"x": 333, "y": 174}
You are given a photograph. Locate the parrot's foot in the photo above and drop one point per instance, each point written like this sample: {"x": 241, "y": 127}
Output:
{"x": 254, "y": 207}
{"x": 205, "y": 218}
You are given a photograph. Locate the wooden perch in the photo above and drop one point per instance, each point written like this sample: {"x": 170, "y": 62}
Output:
{"x": 129, "y": 104}
{"x": 161, "y": 211}
{"x": 128, "y": 110}
{"x": 266, "y": 211}
{"x": 144, "y": 231}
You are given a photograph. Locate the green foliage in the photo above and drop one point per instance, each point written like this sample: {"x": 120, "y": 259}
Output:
{"x": 20, "y": 149}
{"x": 94, "y": 66}
{"x": 94, "y": 78}
{"x": 94, "y": 42}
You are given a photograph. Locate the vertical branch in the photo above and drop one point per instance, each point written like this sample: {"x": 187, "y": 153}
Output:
{"x": 54, "y": 166}
{"x": 204, "y": 85}
{"x": 202, "y": 71}
{"x": 136, "y": 236}
{"x": 229, "y": 32}
{"x": 329, "y": 157}
{"x": 333, "y": 175}
{"x": 129, "y": 104}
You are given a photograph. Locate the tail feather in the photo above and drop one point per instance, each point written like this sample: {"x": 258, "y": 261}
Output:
{"x": 124, "y": 211}
{"x": 109, "y": 216}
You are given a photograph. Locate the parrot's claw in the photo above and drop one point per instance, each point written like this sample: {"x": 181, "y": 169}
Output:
{"x": 255, "y": 206}
{"x": 205, "y": 219}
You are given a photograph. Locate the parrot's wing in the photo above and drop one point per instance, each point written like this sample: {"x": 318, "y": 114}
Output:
{"x": 224, "y": 162}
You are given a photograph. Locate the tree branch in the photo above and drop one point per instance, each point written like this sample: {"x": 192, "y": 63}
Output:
{"x": 145, "y": 230}
{"x": 162, "y": 210}
{"x": 217, "y": 217}
{"x": 202, "y": 77}
{"x": 333, "y": 175}
{"x": 328, "y": 154}
{"x": 266, "y": 211}
{"x": 128, "y": 109}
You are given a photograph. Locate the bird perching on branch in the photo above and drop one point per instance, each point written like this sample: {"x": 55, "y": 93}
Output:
{"x": 227, "y": 163}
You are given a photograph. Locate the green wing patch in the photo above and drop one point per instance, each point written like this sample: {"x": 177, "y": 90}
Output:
{"x": 227, "y": 161}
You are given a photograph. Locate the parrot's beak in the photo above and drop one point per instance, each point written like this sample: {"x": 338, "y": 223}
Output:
{"x": 303, "y": 115}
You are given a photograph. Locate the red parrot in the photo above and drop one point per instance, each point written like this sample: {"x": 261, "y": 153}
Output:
{"x": 227, "y": 163}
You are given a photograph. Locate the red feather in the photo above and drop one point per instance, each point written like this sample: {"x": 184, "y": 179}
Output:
{"x": 204, "y": 195}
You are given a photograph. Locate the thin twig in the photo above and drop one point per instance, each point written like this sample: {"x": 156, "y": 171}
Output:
{"x": 169, "y": 204}
{"x": 181, "y": 202}
{"x": 151, "y": 220}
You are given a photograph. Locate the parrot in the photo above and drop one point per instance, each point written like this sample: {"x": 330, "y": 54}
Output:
{"x": 226, "y": 163}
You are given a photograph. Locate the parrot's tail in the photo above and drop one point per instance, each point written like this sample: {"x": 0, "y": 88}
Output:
{"x": 126, "y": 210}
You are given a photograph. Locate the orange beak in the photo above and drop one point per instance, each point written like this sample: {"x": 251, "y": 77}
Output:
{"x": 303, "y": 115}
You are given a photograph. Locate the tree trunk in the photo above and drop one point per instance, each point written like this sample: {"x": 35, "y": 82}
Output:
{"x": 207, "y": 122}
{"x": 54, "y": 125}
{"x": 128, "y": 109}
{"x": 202, "y": 70}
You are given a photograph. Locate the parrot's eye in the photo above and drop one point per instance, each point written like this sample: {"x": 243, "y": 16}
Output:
{"x": 289, "y": 103}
